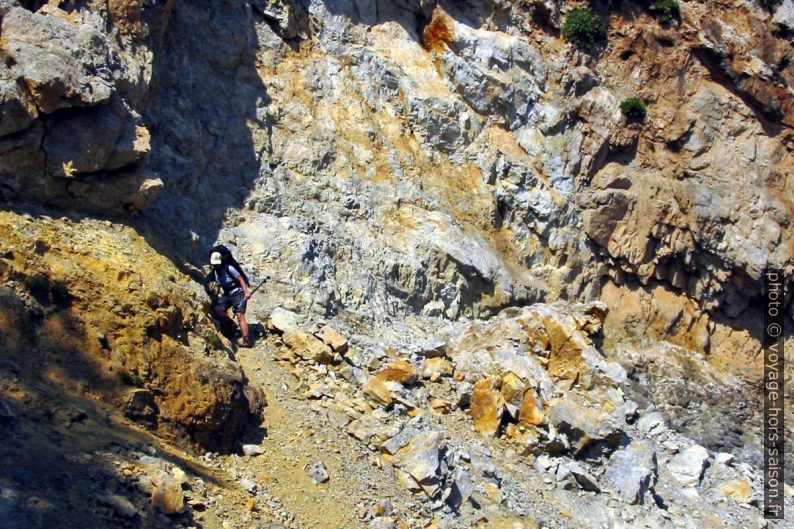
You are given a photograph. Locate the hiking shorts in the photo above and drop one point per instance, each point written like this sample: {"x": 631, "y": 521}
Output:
{"x": 236, "y": 302}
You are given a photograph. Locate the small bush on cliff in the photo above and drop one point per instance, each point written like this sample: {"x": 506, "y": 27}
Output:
{"x": 584, "y": 28}
{"x": 666, "y": 10}
{"x": 634, "y": 109}
{"x": 215, "y": 341}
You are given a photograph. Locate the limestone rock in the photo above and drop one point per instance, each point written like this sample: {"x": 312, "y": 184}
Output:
{"x": 141, "y": 405}
{"x": 398, "y": 371}
{"x": 167, "y": 495}
{"x": 192, "y": 396}
{"x": 248, "y": 483}
{"x": 687, "y": 467}
{"x": 306, "y": 346}
{"x": 421, "y": 459}
{"x": 437, "y": 367}
{"x": 584, "y": 425}
{"x": 512, "y": 389}
{"x": 252, "y": 450}
{"x": 364, "y": 428}
{"x": 53, "y": 57}
{"x": 632, "y": 471}
{"x": 651, "y": 424}
{"x": 333, "y": 339}
{"x": 487, "y": 405}
{"x": 739, "y": 490}
{"x": 119, "y": 503}
{"x": 282, "y": 320}
{"x": 530, "y": 413}
{"x": 107, "y": 137}
{"x": 430, "y": 349}
{"x": 378, "y": 390}
{"x": 317, "y": 472}
{"x": 6, "y": 412}
{"x": 572, "y": 474}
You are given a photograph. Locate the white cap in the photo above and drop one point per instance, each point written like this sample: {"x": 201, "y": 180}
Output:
{"x": 215, "y": 258}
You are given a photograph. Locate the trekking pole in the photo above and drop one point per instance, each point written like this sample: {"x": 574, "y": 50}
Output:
{"x": 261, "y": 283}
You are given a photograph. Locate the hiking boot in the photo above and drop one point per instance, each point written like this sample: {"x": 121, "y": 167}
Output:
{"x": 247, "y": 343}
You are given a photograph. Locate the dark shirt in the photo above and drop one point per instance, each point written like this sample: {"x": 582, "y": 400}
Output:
{"x": 226, "y": 277}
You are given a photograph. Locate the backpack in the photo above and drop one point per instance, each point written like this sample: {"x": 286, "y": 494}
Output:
{"x": 227, "y": 259}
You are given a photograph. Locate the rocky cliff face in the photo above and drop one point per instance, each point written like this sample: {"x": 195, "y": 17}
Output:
{"x": 415, "y": 171}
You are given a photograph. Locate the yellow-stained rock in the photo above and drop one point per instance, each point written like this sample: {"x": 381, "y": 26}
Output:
{"x": 307, "y": 346}
{"x": 398, "y": 371}
{"x": 530, "y": 413}
{"x": 125, "y": 304}
{"x": 437, "y": 367}
{"x": 440, "y": 405}
{"x": 739, "y": 490}
{"x": 333, "y": 339}
{"x": 376, "y": 388}
{"x": 493, "y": 492}
{"x": 512, "y": 392}
{"x": 487, "y": 406}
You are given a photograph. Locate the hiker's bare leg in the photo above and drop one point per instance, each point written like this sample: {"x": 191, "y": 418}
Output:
{"x": 221, "y": 312}
{"x": 243, "y": 325}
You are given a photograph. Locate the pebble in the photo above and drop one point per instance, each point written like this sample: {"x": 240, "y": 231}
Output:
{"x": 120, "y": 504}
{"x": 252, "y": 450}
{"x": 317, "y": 472}
{"x": 248, "y": 483}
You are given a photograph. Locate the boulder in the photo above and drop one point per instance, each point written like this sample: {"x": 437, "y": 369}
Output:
{"x": 585, "y": 425}
{"x": 167, "y": 495}
{"x": 333, "y": 339}
{"x": 531, "y": 413}
{"x": 688, "y": 466}
{"x": 398, "y": 371}
{"x": 512, "y": 389}
{"x": 437, "y": 367}
{"x": 421, "y": 459}
{"x": 364, "y": 428}
{"x": 572, "y": 475}
{"x": 141, "y": 405}
{"x": 307, "y": 346}
{"x": 282, "y": 320}
{"x": 487, "y": 406}
{"x": 377, "y": 389}
{"x": 631, "y": 472}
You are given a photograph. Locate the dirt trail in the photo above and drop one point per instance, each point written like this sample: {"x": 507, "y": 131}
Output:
{"x": 299, "y": 432}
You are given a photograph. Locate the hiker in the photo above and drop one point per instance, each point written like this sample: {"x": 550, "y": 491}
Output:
{"x": 235, "y": 291}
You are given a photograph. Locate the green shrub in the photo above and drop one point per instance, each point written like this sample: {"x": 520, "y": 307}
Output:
{"x": 38, "y": 285}
{"x": 60, "y": 293}
{"x": 215, "y": 341}
{"x": 584, "y": 28}
{"x": 634, "y": 109}
{"x": 666, "y": 10}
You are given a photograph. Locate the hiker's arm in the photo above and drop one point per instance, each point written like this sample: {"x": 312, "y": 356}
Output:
{"x": 207, "y": 289}
{"x": 245, "y": 287}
